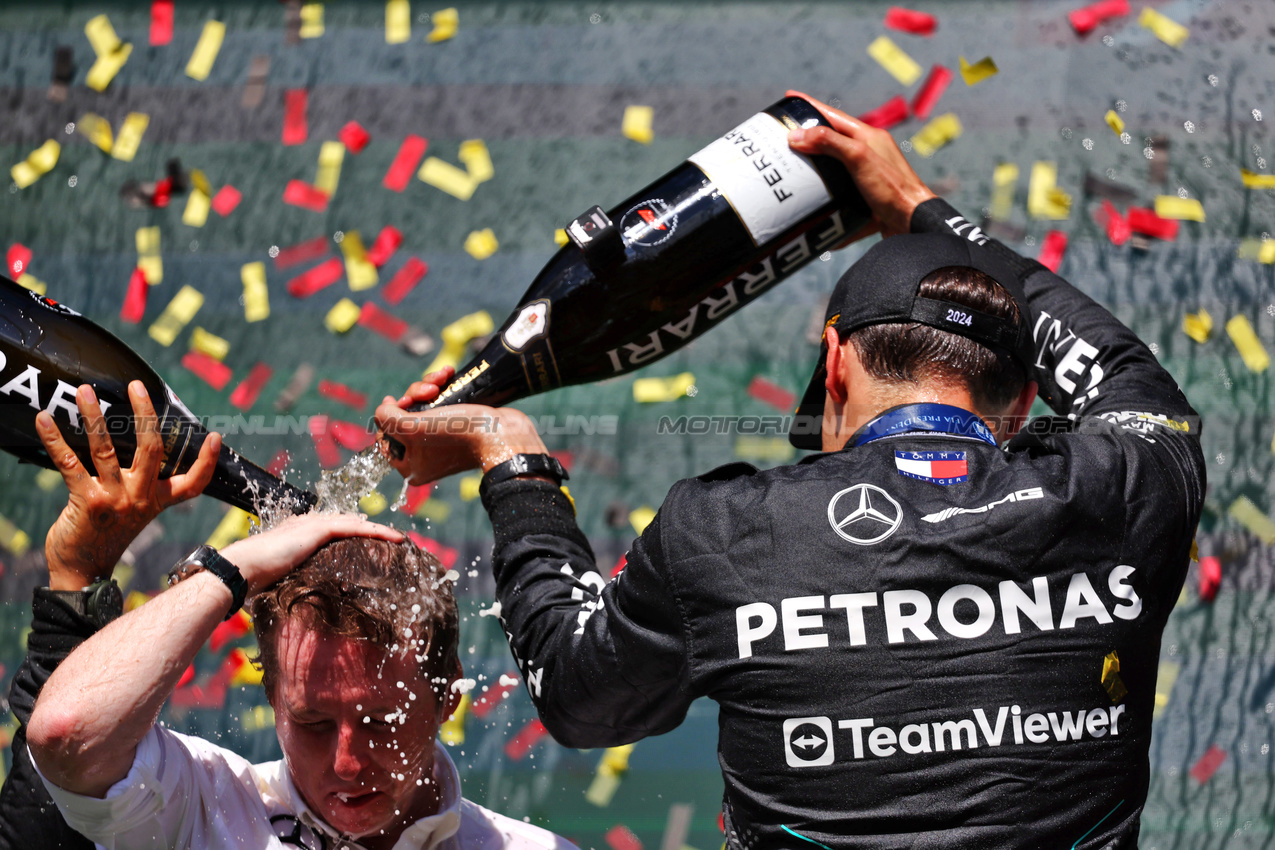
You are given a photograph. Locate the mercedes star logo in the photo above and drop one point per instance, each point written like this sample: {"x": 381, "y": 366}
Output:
{"x": 873, "y": 514}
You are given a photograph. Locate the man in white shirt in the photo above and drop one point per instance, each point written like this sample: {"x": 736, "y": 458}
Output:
{"x": 358, "y": 632}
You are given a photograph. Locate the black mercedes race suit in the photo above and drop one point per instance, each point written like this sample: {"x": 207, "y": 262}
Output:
{"x": 921, "y": 640}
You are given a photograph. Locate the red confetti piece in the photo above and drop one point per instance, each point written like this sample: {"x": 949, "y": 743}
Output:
{"x": 245, "y": 395}
{"x": 135, "y": 299}
{"x": 323, "y": 275}
{"x": 163, "y": 193}
{"x": 215, "y": 373}
{"x": 302, "y": 194}
{"x": 356, "y": 438}
{"x": 893, "y": 111}
{"x": 1210, "y": 578}
{"x": 446, "y": 555}
{"x": 303, "y": 252}
{"x": 295, "y": 127}
{"x": 620, "y": 837}
{"x": 19, "y": 258}
{"x": 619, "y": 566}
{"x": 1052, "y": 249}
{"x": 931, "y": 91}
{"x": 279, "y": 463}
{"x": 1084, "y": 19}
{"x": 1116, "y": 225}
{"x": 161, "y": 22}
{"x": 377, "y": 320}
{"x": 342, "y": 394}
{"x": 772, "y": 394}
{"x": 187, "y": 676}
{"x": 405, "y": 163}
{"x": 564, "y": 457}
{"x": 417, "y": 496}
{"x": 404, "y": 281}
{"x": 324, "y": 446}
{"x": 1208, "y": 764}
{"x": 528, "y": 736}
{"x": 354, "y": 137}
{"x": 494, "y": 695}
{"x": 210, "y": 694}
{"x": 1147, "y": 223}
{"x": 225, "y": 201}
{"x": 906, "y": 20}
{"x": 387, "y": 242}
{"x": 233, "y": 629}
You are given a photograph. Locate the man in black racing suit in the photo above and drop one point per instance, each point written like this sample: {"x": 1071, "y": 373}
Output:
{"x": 918, "y": 638}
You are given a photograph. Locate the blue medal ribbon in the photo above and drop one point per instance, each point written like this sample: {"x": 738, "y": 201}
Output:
{"x": 923, "y": 416}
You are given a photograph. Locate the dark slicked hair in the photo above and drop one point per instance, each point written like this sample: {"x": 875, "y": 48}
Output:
{"x": 912, "y": 352}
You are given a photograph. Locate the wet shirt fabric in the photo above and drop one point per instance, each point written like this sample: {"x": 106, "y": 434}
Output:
{"x": 184, "y": 792}
{"x": 913, "y": 641}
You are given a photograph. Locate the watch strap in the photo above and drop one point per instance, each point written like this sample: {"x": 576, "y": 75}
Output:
{"x": 524, "y": 464}
{"x": 99, "y": 603}
{"x": 211, "y": 560}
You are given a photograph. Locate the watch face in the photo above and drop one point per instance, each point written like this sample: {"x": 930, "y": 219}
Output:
{"x": 105, "y": 602}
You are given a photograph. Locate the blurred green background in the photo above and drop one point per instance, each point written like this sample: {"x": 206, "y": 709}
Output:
{"x": 545, "y": 86}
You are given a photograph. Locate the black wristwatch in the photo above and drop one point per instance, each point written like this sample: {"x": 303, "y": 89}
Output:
{"x": 546, "y": 465}
{"x": 99, "y": 603}
{"x": 207, "y": 558}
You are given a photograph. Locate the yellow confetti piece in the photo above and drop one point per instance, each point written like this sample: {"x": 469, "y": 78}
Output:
{"x": 197, "y": 206}
{"x": 206, "y": 50}
{"x": 481, "y": 244}
{"x": 771, "y": 449}
{"x": 446, "y": 23}
{"x": 1262, "y": 250}
{"x": 936, "y": 134}
{"x": 106, "y": 66}
{"x": 1004, "y": 179}
{"x": 649, "y": 390}
{"x": 611, "y": 769}
{"x": 176, "y": 315}
{"x": 891, "y": 57}
{"x": 123, "y": 575}
{"x": 1251, "y": 350}
{"x": 1114, "y": 121}
{"x": 130, "y": 136}
{"x": 1252, "y": 180}
{"x": 434, "y": 510}
{"x": 343, "y": 316}
{"x": 469, "y": 487}
{"x": 97, "y": 129}
{"x": 39, "y": 287}
{"x": 247, "y": 673}
{"x": 398, "y": 21}
{"x": 148, "y": 255}
{"x": 331, "y": 155}
{"x": 641, "y": 517}
{"x": 566, "y": 491}
{"x": 1111, "y": 677}
{"x": 560, "y": 237}
{"x": 102, "y": 35}
{"x": 312, "y": 20}
{"x": 48, "y": 479}
{"x": 637, "y": 124}
{"x": 209, "y": 343}
{"x": 448, "y": 355}
{"x": 467, "y": 327}
{"x": 449, "y": 178}
{"x": 1251, "y": 517}
{"x": 256, "y": 297}
{"x": 358, "y": 268}
{"x": 235, "y": 525}
{"x": 1166, "y": 677}
{"x": 13, "y": 538}
{"x": 1198, "y": 326}
{"x": 200, "y": 181}
{"x": 135, "y": 599}
{"x": 1183, "y": 209}
{"x": 1195, "y": 551}
{"x": 373, "y": 503}
{"x": 257, "y": 718}
{"x": 1044, "y": 199}
{"x": 1165, "y": 28}
{"x": 979, "y": 71}
{"x": 452, "y": 731}
{"x": 37, "y": 164}
{"x": 477, "y": 159}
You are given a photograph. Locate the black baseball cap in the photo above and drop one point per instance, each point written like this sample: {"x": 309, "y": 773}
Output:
{"x": 882, "y": 287}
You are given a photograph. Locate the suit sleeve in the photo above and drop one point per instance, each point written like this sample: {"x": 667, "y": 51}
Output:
{"x": 605, "y": 662}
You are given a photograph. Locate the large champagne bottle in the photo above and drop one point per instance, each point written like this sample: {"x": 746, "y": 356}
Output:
{"x": 640, "y": 281}
{"x": 47, "y": 350}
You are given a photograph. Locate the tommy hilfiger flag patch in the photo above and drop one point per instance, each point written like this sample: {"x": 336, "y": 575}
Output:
{"x": 935, "y": 467}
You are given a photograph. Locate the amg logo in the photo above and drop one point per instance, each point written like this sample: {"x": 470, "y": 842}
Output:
{"x": 1017, "y": 496}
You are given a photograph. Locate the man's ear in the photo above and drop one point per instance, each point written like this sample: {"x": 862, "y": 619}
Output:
{"x": 1019, "y": 409}
{"x": 834, "y": 381}
{"x": 449, "y": 699}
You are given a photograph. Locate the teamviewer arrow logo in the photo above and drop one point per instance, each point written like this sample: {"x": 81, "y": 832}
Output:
{"x": 808, "y": 741}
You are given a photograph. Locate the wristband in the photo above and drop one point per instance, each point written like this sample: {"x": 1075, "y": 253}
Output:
{"x": 546, "y": 465}
{"x": 207, "y": 558}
